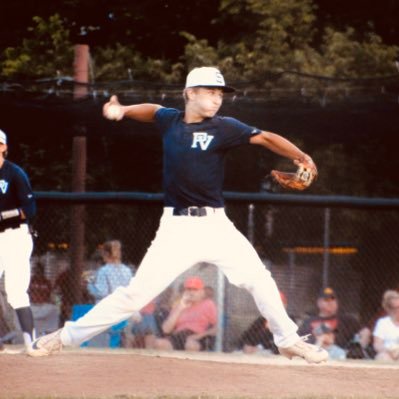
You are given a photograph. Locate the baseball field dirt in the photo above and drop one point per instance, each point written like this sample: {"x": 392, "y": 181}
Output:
{"x": 124, "y": 374}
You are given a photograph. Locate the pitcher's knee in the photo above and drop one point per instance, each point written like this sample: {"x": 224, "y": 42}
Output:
{"x": 21, "y": 301}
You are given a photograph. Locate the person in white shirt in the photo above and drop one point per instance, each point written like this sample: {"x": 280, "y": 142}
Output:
{"x": 386, "y": 331}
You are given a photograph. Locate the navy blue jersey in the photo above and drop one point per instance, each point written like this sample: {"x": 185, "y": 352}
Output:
{"x": 193, "y": 156}
{"x": 15, "y": 192}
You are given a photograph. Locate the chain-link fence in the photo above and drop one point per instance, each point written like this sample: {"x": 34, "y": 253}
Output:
{"x": 305, "y": 243}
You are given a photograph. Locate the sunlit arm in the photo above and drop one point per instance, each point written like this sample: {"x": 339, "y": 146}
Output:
{"x": 280, "y": 146}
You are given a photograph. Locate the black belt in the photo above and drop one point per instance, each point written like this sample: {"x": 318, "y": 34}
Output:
{"x": 193, "y": 211}
{"x": 13, "y": 226}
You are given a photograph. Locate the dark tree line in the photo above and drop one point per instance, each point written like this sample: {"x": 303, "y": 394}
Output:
{"x": 345, "y": 123}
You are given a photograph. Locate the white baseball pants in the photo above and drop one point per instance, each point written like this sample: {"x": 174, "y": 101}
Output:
{"x": 15, "y": 250}
{"x": 181, "y": 242}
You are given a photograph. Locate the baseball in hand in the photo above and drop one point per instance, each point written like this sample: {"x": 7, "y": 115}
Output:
{"x": 114, "y": 112}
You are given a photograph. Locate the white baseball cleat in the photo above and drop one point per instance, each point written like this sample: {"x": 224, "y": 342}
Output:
{"x": 46, "y": 345}
{"x": 311, "y": 353}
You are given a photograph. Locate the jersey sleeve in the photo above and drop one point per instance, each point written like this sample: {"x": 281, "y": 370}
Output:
{"x": 24, "y": 193}
{"x": 236, "y": 132}
{"x": 164, "y": 117}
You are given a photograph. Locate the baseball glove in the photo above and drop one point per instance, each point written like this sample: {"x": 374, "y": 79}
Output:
{"x": 299, "y": 180}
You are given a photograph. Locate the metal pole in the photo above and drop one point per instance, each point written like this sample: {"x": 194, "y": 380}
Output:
{"x": 291, "y": 290}
{"x": 326, "y": 245}
{"x": 251, "y": 223}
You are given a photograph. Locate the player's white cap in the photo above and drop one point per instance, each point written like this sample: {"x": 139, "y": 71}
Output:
{"x": 207, "y": 77}
{"x": 3, "y": 137}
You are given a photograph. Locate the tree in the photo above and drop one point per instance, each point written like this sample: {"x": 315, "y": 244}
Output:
{"x": 48, "y": 51}
{"x": 281, "y": 36}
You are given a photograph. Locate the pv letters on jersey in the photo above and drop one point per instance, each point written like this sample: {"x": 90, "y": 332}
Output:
{"x": 203, "y": 139}
{"x": 3, "y": 186}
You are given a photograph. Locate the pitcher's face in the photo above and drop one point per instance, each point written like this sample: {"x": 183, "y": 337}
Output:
{"x": 205, "y": 101}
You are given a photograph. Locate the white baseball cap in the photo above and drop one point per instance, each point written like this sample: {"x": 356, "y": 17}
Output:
{"x": 207, "y": 77}
{"x": 3, "y": 137}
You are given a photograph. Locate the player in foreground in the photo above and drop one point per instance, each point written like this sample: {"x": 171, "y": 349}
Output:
{"x": 194, "y": 227}
{"x": 17, "y": 206}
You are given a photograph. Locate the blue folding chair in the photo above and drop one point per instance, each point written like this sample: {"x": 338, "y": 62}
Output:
{"x": 113, "y": 335}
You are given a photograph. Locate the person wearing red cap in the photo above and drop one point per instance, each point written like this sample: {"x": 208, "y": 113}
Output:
{"x": 191, "y": 324}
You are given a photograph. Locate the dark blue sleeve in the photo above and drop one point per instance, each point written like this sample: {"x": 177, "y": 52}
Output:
{"x": 165, "y": 116}
{"x": 236, "y": 132}
{"x": 24, "y": 193}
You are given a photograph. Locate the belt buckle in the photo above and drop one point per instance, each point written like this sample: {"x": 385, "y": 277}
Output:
{"x": 193, "y": 211}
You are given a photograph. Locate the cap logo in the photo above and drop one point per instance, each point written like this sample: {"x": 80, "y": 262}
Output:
{"x": 219, "y": 78}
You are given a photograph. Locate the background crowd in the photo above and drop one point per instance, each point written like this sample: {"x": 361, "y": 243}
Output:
{"x": 185, "y": 318}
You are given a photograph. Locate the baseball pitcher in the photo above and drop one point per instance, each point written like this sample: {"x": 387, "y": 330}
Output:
{"x": 194, "y": 227}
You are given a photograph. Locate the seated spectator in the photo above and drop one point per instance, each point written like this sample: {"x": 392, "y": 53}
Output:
{"x": 386, "y": 331}
{"x": 45, "y": 312}
{"x": 344, "y": 325}
{"x": 145, "y": 326}
{"x": 63, "y": 287}
{"x": 113, "y": 274}
{"x": 142, "y": 329}
{"x": 361, "y": 346}
{"x": 325, "y": 338}
{"x": 191, "y": 324}
{"x": 258, "y": 335}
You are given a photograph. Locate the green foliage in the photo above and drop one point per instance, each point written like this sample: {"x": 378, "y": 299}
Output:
{"x": 47, "y": 52}
{"x": 124, "y": 62}
{"x": 282, "y": 38}
{"x": 259, "y": 38}
{"x": 345, "y": 56}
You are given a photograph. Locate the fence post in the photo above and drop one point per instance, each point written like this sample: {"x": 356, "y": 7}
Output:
{"x": 251, "y": 223}
{"x": 326, "y": 245}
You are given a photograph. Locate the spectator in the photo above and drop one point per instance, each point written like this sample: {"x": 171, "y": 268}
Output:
{"x": 191, "y": 324}
{"x": 361, "y": 347}
{"x": 62, "y": 289}
{"x": 325, "y": 338}
{"x": 113, "y": 274}
{"x": 141, "y": 329}
{"x": 45, "y": 312}
{"x": 258, "y": 335}
{"x": 146, "y": 326}
{"x": 344, "y": 325}
{"x": 386, "y": 331}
